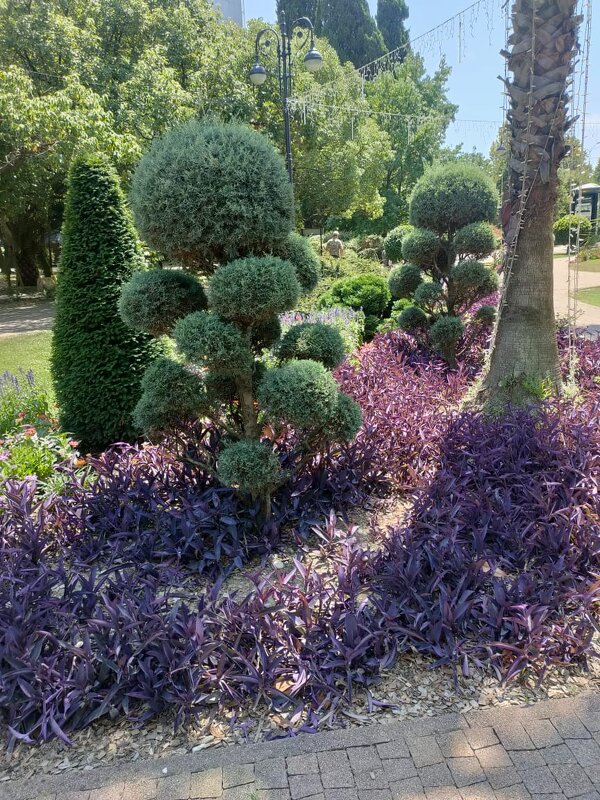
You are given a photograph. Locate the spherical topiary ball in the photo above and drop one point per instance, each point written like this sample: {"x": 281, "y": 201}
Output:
{"x": 153, "y": 301}
{"x": 486, "y": 315}
{"x": 207, "y": 339}
{"x": 345, "y": 422}
{"x": 445, "y": 334}
{"x": 392, "y": 243}
{"x": 412, "y": 319}
{"x": 429, "y": 295}
{"x": 421, "y": 247}
{"x": 404, "y": 281}
{"x": 298, "y": 251}
{"x": 451, "y": 196}
{"x": 208, "y": 192}
{"x": 314, "y": 341}
{"x": 476, "y": 240}
{"x": 249, "y": 466}
{"x": 471, "y": 276}
{"x": 302, "y": 393}
{"x": 253, "y": 289}
{"x": 171, "y": 394}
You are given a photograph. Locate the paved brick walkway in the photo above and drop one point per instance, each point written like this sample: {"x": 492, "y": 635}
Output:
{"x": 549, "y": 750}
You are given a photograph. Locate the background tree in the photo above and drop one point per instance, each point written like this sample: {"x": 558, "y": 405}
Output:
{"x": 351, "y": 30}
{"x": 524, "y": 356}
{"x": 97, "y": 362}
{"x": 218, "y": 197}
{"x": 294, "y": 9}
{"x": 391, "y": 16}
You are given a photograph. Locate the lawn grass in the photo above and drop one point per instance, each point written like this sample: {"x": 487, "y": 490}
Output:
{"x": 591, "y": 295}
{"x": 593, "y": 265}
{"x": 28, "y": 351}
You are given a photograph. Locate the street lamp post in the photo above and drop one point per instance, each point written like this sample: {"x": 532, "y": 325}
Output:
{"x": 313, "y": 61}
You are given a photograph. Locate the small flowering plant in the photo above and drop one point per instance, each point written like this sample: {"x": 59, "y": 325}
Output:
{"x": 30, "y": 452}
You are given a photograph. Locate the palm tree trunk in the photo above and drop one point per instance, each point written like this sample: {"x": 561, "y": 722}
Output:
{"x": 524, "y": 357}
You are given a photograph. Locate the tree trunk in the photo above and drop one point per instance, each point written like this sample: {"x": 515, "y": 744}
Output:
{"x": 524, "y": 359}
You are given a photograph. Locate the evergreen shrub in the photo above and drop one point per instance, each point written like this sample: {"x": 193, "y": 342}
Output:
{"x": 154, "y": 300}
{"x": 393, "y": 242}
{"x": 368, "y": 293}
{"x": 477, "y": 240}
{"x": 404, "y": 281}
{"x": 97, "y": 361}
{"x": 314, "y": 341}
{"x": 299, "y": 251}
{"x": 421, "y": 247}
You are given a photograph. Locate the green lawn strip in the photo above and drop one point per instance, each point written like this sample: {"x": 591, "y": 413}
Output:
{"x": 588, "y": 266}
{"x": 590, "y": 296}
{"x": 27, "y": 351}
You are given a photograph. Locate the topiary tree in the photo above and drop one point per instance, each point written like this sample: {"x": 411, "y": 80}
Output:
{"x": 233, "y": 183}
{"x": 392, "y": 244}
{"x": 97, "y": 361}
{"x": 451, "y": 208}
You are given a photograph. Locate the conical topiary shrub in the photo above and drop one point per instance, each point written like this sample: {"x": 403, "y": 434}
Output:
{"x": 97, "y": 361}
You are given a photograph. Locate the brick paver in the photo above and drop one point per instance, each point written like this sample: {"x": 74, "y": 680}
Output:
{"x": 549, "y": 751}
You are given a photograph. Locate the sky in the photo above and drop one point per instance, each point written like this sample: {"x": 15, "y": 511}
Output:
{"x": 476, "y": 64}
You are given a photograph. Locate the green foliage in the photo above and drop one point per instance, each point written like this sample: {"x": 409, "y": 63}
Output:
{"x": 207, "y": 339}
{"x": 265, "y": 334}
{"x": 302, "y": 393}
{"x": 445, "y": 334}
{"x": 391, "y": 16}
{"x": 345, "y": 421}
{"x": 22, "y": 402}
{"x": 210, "y": 192}
{"x": 368, "y": 293}
{"x": 298, "y": 251}
{"x": 404, "y": 281}
{"x": 486, "y": 315}
{"x": 413, "y": 319}
{"x": 313, "y": 341}
{"x": 28, "y": 452}
{"x": 470, "y": 280}
{"x": 97, "y": 362}
{"x": 393, "y": 242}
{"x": 421, "y": 247}
{"x": 171, "y": 394}
{"x": 249, "y": 466}
{"x": 448, "y": 197}
{"x": 429, "y": 296}
{"x": 566, "y": 227}
{"x": 476, "y": 240}
{"x": 253, "y": 289}
{"x": 351, "y": 29}
{"x": 153, "y": 301}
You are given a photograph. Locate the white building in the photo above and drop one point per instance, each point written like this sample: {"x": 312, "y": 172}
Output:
{"x": 232, "y": 9}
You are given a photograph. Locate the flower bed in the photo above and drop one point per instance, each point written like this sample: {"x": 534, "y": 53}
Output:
{"x": 105, "y": 608}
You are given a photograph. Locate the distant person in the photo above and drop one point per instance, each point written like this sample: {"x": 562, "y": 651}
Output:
{"x": 335, "y": 246}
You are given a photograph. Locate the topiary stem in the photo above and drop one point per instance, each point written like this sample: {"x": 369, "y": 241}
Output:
{"x": 247, "y": 407}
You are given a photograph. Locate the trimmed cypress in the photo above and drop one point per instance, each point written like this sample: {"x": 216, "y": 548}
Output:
{"x": 97, "y": 361}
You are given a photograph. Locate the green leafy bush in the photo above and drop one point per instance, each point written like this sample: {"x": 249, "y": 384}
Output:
{"x": 350, "y": 324}
{"x": 298, "y": 251}
{"x": 29, "y": 452}
{"x": 171, "y": 392}
{"x": 253, "y": 289}
{"x": 97, "y": 361}
{"x": 22, "y": 402}
{"x": 477, "y": 240}
{"x": 445, "y": 334}
{"x": 471, "y": 280}
{"x": 153, "y": 301}
{"x": 393, "y": 242}
{"x": 566, "y": 227}
{"x": 413, "y": 319}
{"x": 313, "y": 341}
{"x": 249, "y": 466}
{"x": 486, "y": 315}
{"x": 421, "y": 247}
{"x": 265, "y": 334}
{"x": 429, "y": 296}
{"x": 187, "y": 205}
{"x": 345, "y": 421}
{"x": 450, "y": 196}
{"x": 302, "y": 393}
{"x": 207, "y": 339}
{"x": 404, "y": 281}
{"x": 368, "y": 293}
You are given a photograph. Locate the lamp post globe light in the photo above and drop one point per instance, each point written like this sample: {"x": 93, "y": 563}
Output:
{"x": 303, "y": 30}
